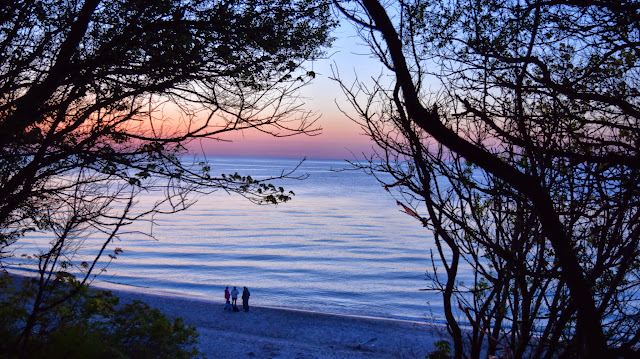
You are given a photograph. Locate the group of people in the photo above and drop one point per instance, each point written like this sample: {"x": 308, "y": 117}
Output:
{"x": 232, "y": 299}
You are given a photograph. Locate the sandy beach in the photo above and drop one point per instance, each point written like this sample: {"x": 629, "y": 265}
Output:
{"x": 266, "y": 332}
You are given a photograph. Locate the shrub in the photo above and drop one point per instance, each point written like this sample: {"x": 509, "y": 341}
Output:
{"x": 91, "y": 325}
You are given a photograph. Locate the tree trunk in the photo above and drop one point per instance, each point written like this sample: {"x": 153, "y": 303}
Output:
{"x": 589, "y": 334}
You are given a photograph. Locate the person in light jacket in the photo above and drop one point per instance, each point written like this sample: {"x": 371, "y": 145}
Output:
{"x": 234, "y": 296}
{"x": 245, "y": 299}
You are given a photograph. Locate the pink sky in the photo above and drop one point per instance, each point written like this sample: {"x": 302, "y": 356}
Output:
{"x": 339, "y": 139}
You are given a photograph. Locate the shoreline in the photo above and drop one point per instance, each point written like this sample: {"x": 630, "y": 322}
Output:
{"x": 119, "y": 287}
{"x": 101, "y": 283}
{"x": 283, "y": 333}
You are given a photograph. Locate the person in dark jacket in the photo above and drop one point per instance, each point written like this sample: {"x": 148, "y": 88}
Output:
{"x": 245, "y": 299}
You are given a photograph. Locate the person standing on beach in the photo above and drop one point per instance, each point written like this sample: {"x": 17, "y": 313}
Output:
{"x": 227, "y": 304}
{"x": 234, "y": 295}
{"x": 245, "y": 299}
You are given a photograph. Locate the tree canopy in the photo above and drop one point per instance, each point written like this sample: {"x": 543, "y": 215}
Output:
{"x": 98, "y": 100}
{"x": 112, "y": 90}
{"x": 512, "y": 129}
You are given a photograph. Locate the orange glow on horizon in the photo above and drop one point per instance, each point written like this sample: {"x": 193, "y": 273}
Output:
{"x": 337, "y": 141}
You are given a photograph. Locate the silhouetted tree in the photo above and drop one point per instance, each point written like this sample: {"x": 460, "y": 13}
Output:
{"x": 98, "y": 100}
{"x": 525, "y": 162}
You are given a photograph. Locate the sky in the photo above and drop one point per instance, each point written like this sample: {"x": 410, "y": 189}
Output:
{"x": 340, "y": 137}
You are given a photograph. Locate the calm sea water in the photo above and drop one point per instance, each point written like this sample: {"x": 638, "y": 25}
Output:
{"x": 340, "y": 246}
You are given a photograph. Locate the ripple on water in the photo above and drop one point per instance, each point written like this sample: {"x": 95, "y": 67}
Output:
{"x": 340, "y": 246}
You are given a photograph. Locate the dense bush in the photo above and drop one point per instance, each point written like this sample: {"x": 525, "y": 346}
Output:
{"x": 91, "y": 325}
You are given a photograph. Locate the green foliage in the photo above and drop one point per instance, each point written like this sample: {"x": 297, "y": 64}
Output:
{"x": 90, "y": 325}
{"x": 443, "y": 350}
{"x": 144, "y": 332}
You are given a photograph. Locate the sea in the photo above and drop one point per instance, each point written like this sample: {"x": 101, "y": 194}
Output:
{"x": 342, "y": 245}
